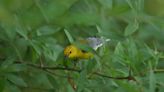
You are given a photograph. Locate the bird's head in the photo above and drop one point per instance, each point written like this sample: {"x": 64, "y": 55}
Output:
{"x": 71, "y": 51}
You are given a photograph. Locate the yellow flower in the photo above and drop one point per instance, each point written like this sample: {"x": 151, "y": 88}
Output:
{"x": 73, "y": 52}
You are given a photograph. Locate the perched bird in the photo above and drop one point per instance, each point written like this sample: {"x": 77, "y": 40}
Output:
{"x": 74, "y": 52}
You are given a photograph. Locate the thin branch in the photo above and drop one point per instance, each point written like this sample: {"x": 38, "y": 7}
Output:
{"x": 159, "y": 71}
{"x": 95, "y": 73}
{"x": 129, "y": 77}
{"x": 61, "y": 68}
{"x": 75, "y": 70}
{"x": 53, "y": 73}
{"x": 49, "y": 67}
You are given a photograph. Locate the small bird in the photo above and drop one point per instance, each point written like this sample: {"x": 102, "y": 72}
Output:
{"x": 74, "y": 52}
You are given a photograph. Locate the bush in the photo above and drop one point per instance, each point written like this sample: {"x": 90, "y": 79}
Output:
{"x": 33, "y": 34}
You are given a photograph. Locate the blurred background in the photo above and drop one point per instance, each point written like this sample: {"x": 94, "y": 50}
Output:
{"x": 33, "y": 34}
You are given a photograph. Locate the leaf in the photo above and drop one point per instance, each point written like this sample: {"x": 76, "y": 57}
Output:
{"x": 119, "y": 9}
{"x": 82, "y": 80}
{"x": 132, "y": 50}
{"x": 39, "y": 79}
{"x": 16, "y": 68}
{"x": 46, "y": 30}
{"x": 119, "y": 50}
{"x": 36, "y": 46}
{"x": 127, "y": 87}
{"x": 2, "y": 84}
{"x": 7, "y": 62}
{"x": 106, "y": 3}
{"x": 10, "y": 33}
{"x": 53, "y": 81}
{"x": 70, "y": 38}
{"x": 19, "y": 29}
{"x": 52, "y": 52}
{"x": 152, "y": 80}
{"x": 119, "y": 57}
{"x": 11, "y": 88}
{"x": 56, "y": 8}
{"x": 16, "y": 80}
{"x": 131, "y": 28}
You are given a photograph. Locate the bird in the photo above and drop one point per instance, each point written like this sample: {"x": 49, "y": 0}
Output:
{"x": 73, "y": 52}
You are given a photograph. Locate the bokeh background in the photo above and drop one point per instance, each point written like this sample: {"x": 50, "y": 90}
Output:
{"x": 33, "y": 34}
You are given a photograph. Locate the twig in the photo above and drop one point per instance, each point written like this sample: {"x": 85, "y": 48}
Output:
{"x": 109, "y": 76}
{"x": 159, "y": 70}
{"x": 75, "y": 70}
{"x": 49, "y": 67}
{"x": 61, "y": 68}
{"x": 63, "y": 76}
{"x": 129, "y": 77}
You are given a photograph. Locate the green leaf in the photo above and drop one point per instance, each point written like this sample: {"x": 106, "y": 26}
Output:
{"x": 82, "y": 80}
{"x": 132, "y": 50}
{"x": 19, "y": 29}
{"x": 11, "y": 88}
{"x": 35, "y": 44}
{"x": 127, "y": 87}
{"x": 70, "y": 38}
{"x": 10, "y": 33}
{"x": 52, "y": 52}
{"x": 9, "y": 61}
{"x": 131, "y": 28}
{"x": 53, "y": 81}
{"x": 2, "y": 84}
{"x": 41, "y": 80}
{"x": 119, "y": 9}
{"x": 106, "y": 3}
{"x": 120, "y": 57}
{"x": 119, "y": 50}
{"x": 159, "y": 77}
{"x": 46, "y": 30}
{"x": 152, "y": 80}
{"x": 16, "y": 68}
{"x": 16, "y": 80}
{"x": 90, "y": 65}
{"x": 56, "y": 8}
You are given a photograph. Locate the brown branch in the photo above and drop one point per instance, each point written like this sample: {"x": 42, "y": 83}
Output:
{"x": 53, "y": 73}
{"x": 72, "y": 83}
{"x": 75, "y": 70}
{"x": 49, "y": 67}
{"x": 159, "y": 71}
{"x": 110, "y": 76}
{"x": 129, "y": 77}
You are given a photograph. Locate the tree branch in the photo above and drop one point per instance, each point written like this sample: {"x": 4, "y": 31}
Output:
{"x": 75, "y": 70}
{"x": 46, "y": 68}
{"x": 105, "y": 76}
{"x": 159, "y": 70}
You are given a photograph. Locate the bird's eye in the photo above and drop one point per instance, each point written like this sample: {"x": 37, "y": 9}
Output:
{"x": 70, "y": 52}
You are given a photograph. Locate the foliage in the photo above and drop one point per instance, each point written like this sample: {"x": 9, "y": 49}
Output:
{"x": 33, "y": 34}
